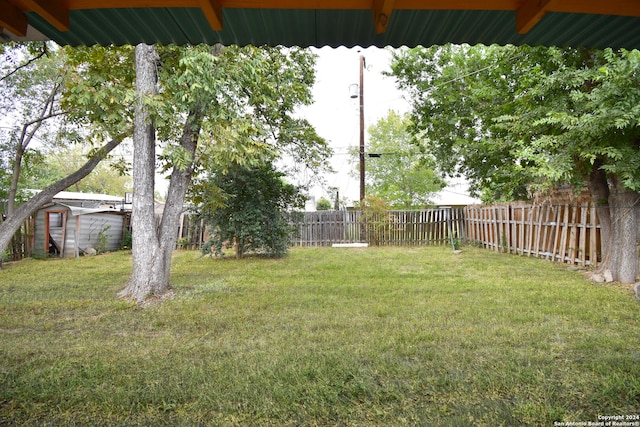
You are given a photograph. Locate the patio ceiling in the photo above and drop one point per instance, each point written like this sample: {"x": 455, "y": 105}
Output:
{"x": 578, "y": 23}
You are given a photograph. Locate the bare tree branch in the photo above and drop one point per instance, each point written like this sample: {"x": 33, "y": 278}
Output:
{"x": 45, "y": 51}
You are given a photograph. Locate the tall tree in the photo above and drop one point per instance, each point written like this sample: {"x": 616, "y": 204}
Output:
{"x": 40, "y": 85}
{"x": 399, "y": 173}
{"x": 238, "y": 101}
{"x": 515, "y": 118}
{"x": 31, "y": 85}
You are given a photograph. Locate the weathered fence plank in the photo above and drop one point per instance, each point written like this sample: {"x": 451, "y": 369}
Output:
{"x": 561, "y": 233}
{"x": 425, "y": 227}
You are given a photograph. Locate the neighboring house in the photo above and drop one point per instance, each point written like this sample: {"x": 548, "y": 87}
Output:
{"x": 454, "y": 195}
{"x": 74, "y": 223}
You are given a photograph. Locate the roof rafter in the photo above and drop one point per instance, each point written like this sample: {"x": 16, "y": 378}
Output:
{"x": 530, "y": 13}
{"x": 213, "y": 12}
{"x": 51, "y": 10}
{"x": 598, "y": 7}
{"x": 382, "y": 10}
{"x": 13, "y": 19}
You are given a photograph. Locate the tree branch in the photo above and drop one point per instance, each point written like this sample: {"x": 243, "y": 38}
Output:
{"x": 44, "y": 52}
{"x": 12, "y": 223}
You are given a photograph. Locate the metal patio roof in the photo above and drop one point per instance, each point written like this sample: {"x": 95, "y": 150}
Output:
{"x": 586, "y": 23}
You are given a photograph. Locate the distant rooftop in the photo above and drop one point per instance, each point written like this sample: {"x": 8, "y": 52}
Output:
{"x": 70, "y": 195}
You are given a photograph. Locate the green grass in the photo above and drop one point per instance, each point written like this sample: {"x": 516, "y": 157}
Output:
{"x": 362, "y": 337}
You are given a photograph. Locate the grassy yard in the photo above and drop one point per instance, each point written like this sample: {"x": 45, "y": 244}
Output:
{"x": 362, "y": 337}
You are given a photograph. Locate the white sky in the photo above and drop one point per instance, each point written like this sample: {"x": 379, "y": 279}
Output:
{"x": 336, "y": 116}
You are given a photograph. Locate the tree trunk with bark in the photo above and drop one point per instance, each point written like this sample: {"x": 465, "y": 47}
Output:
{"x": 13, "y": 222}
{"x": 144, "y": 237}
{"x": 152, "y": 244}
{"x": 27, "y": 134}
{"x": 599, "y": 190}
{"x": 623, "y": 251}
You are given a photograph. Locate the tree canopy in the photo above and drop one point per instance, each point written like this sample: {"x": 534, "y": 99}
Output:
{"x": 210, "y": 107}
{"x": 396, "y": 171}
{"x": 520, "y": 119}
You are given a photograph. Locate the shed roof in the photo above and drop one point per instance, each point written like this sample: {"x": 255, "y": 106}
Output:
{"x": 586, "y": 23}
{"x": 78, "y": 211}
{"x": 71, "y": 195}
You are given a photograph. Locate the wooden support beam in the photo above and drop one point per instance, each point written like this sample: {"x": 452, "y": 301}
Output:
{"x": 382, "y": 10}
{"x": 51, "y": 10}
{"x": 598, "y": 7}
{"x": 530, "y": 13}
{"x": 603, "y": 7}
{"x": 13, "y": 19}
{"x": 213, "y": 12}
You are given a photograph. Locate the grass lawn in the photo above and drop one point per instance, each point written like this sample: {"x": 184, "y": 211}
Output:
{"x": 362, "y": 337}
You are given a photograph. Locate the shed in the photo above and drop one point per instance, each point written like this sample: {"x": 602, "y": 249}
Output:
{"x": 69, "y": 231}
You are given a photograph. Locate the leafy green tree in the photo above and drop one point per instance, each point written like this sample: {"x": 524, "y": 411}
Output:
{"x": 400, "y": 175}
{"x": 34, "y": 84}
{"x": 519, "y": 118}
{"x": 31, "y": 85}
{"x": 107, "y": 178}
{"x": 323, "y": 204}
{"x": 456, "y": 92}
{"x": 248, "y": 209}
{"x": 207, "y": 106}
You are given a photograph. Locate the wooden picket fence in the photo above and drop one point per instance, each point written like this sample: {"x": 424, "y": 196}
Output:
{"x": 391, "y": 228}
{"x": 22, "y": 244}
{"x": 562, "y": 233}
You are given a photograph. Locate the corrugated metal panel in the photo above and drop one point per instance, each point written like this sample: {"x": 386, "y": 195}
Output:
{"x": 90, "y": 227}
{"x": 338, "y": 27}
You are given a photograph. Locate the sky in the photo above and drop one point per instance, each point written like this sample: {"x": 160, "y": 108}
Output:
{"x": 336, "y": 117}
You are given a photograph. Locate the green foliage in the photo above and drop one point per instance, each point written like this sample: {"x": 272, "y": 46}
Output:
{"x": 247, "y": 97}
{"x": 375, "y": 337}
{"x": 456, "y": 92}
{"x": 508, "y": 117}
{"x": 402, "y": 176}
{"x": 100, "y": 90}
{"x": 32, "y": 77}
{"x": 109, "y": 177}
{"x": 103, "y": 240}
{"x": 126, "y": 242}
{"x": 247, "y": 209}
{"x": 323, "y": 204}
{"x": 375, "y": 219}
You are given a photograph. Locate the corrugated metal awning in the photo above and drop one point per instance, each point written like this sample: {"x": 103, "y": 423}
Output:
{"x": 78, "y": 211}
{"x": 590, "y": 23}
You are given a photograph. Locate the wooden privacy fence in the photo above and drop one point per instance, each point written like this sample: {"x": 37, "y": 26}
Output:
{"x": 423, "y": 227}
{"x": 22, "y": 244}
{"x": 563, "y": 233}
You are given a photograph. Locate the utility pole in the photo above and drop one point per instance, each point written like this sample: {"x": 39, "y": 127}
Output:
{"x": 362, "y": 171}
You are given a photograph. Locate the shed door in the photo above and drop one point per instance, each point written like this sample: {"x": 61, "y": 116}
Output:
{"x": 55, "y": 227}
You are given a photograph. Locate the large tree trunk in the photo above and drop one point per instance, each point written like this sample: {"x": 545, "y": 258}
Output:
{"x": 174, "y": 206}
{"x": 153, "y": 245}
{"x": 145, "y": 244}
{"x": 599, "y": 190}
{"x": 13, "y": 222}
{"x": 625, "y": 213}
